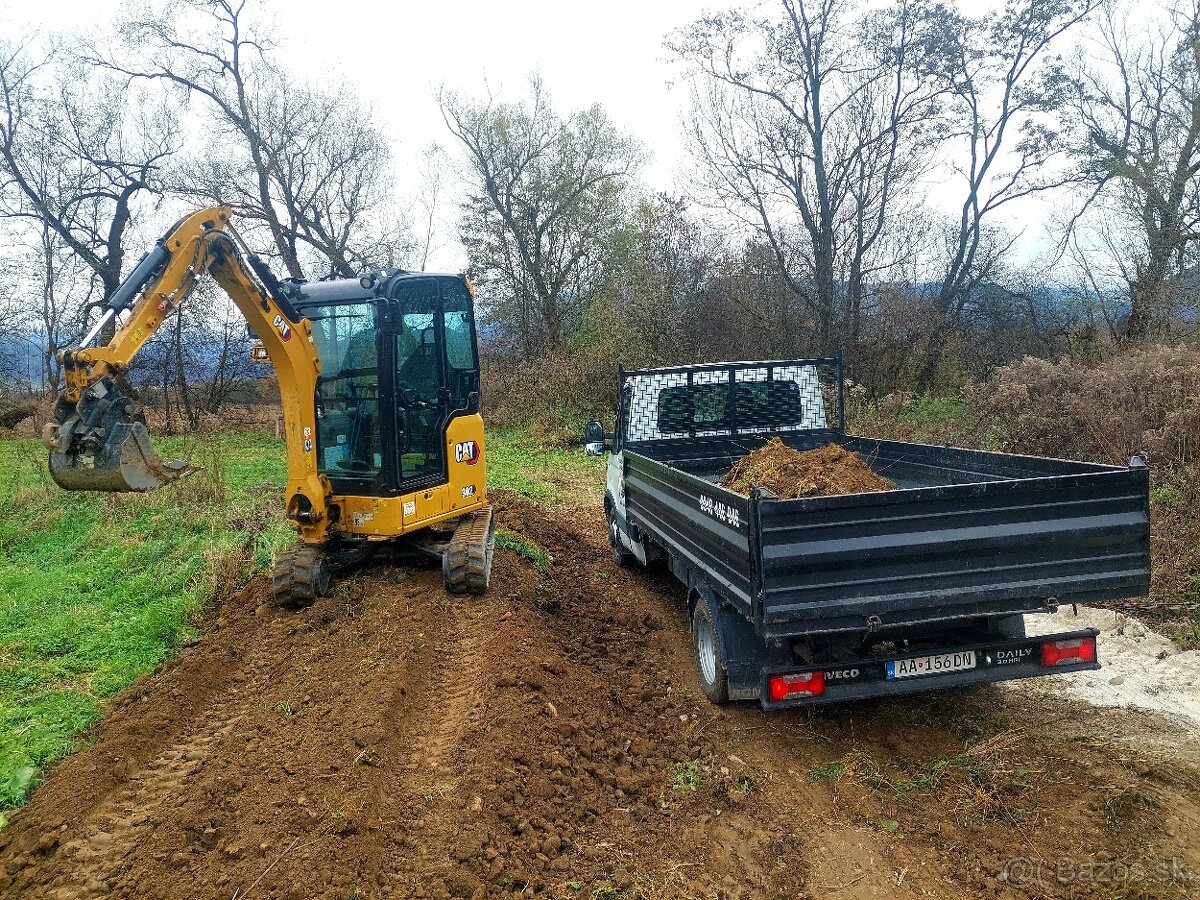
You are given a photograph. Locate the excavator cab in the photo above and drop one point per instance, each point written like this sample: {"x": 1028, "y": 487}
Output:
{"x": 398, "y": 365}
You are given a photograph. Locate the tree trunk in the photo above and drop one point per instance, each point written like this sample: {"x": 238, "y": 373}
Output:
{"x": 185, "y": 397}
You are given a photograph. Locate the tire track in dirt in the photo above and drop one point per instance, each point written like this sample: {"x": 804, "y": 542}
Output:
{"x": 115, "y": 826}
{"x": 549, "y": 739}
{"x": 439, "y": 725}
{"x": 453, "y": 689}
{"x": 243, "y": 754}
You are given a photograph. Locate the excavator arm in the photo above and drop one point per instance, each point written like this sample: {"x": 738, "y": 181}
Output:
{"x": 99, "y": 442}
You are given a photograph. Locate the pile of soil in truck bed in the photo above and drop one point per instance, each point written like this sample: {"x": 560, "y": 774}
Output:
{"x": 790, "y": 474}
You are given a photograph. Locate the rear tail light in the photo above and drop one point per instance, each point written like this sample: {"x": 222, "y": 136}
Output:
{"x": 788, "y": 687}
{"x": 1076, "y": 650}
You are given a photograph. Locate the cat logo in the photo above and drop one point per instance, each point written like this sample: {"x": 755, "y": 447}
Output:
{"x": 466, "y": 452}
{"x": 284, "y": 329}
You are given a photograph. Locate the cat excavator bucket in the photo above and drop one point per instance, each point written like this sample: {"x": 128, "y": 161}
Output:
{"x": 99, "y": 444}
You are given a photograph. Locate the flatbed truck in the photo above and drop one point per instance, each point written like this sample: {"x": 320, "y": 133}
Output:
{"x": 832, "y": 598}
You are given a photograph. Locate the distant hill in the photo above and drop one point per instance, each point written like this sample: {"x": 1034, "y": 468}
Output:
{"x": 21, "y": 361}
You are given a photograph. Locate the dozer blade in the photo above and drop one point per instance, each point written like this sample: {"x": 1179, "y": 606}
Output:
{"x": 98, "y": 446}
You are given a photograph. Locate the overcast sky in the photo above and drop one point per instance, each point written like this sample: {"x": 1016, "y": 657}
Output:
{"x": 398, "y": 53}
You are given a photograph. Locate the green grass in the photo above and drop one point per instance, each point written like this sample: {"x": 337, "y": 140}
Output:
{"x": 831, "y": 771}
{"x": 922, "y": 419}
{"x": 982, "y": 780}
{"x": 523, "y": 547}
{"x": 518, "y": 462}
{"x": 687, "y": 775}
{"x": 97, "y": 590}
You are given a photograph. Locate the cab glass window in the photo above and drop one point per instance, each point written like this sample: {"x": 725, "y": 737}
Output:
{"x": 418, "y": 377}
{"x": 347, "y": 444}
{"x": 462, "y": 368}
{"x": 417, "y": 365}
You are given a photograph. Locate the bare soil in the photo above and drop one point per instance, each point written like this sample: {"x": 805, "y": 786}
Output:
{"x": 789, "y": 474}
{"x": 550, "y": 739}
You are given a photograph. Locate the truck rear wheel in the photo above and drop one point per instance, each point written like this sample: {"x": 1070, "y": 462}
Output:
{"x": 706, "y": 648}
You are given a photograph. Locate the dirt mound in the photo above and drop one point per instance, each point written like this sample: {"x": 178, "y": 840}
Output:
{"x": 549, "y": 739}
{"x": 790, "y": 474}
{"x": 18, "y": 412}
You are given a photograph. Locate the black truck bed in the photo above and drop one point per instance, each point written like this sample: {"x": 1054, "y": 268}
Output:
{"x": 968, "y": 534}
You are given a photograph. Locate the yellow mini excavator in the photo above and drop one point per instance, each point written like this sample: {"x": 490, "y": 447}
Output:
{"x": 379, "y": 382}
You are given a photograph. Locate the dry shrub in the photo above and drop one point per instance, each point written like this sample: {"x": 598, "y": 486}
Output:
{"x": 1143, "y": 401}
{"x": 232, "y": 417}
{"x": 10, "y": 416}
{"x": 23, "y": 416}
{"x": 551, "y": 396}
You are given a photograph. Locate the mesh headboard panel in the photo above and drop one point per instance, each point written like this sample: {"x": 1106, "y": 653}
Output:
{"x": 732, "y": 399}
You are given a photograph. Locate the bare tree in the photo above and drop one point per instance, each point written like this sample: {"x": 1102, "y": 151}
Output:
{"x": 658, "y": 303}
{"x": 230, "y": 366}
{"x": 77, "y": 152}
{"x": 430, "y": 200}
{"x": 547, "y": 195}
{"x": 1006, "y": 88}
{"x": 327, "y": 177}
{"x": 43, "y": 282}
{"x": 1139, "y": 108}
{"x": 304, "y": 162}
{"x": 61, "y": 279}
{"x": 813, "y": 127}
{"x": 204, "y": 48}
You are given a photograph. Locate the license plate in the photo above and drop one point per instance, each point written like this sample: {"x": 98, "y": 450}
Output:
{"x": 931, "y": 665}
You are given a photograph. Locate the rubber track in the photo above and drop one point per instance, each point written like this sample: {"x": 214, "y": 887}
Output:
{"x": 296, "y": 580}
{"x": 467, "y": 562}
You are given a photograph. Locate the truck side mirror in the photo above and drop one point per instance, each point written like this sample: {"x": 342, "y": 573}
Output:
{"x": 593, "y": 439}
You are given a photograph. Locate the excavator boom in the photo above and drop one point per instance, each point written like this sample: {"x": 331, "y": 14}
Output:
{"x": 98, "y": 440}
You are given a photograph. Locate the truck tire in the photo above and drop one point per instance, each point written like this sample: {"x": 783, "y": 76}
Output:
{"x": 706, "y": 648}
{"x": 621, "y": 556}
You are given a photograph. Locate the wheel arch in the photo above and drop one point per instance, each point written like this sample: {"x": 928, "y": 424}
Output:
{"x": 697, "y": 590}
{"x": 742, "y": 652}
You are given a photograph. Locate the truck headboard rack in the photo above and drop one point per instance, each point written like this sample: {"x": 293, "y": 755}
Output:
{"x": 733, "y": 399}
